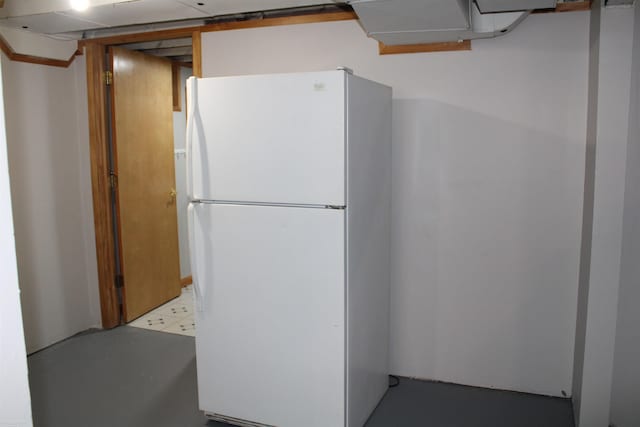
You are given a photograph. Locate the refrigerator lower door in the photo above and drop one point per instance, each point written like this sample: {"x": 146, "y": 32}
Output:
{"x": 270, "y": 324}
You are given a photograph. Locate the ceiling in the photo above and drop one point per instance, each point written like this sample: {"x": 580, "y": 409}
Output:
{"x": 57, "y": 19}
{"x": 389, "y": 21}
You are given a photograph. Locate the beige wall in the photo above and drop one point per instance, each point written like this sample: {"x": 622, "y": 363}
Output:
{"x": 488, "y": 168}
{"x": 47, "y": 138}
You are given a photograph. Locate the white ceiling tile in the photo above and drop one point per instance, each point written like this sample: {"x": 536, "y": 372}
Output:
{"x": 123, "y": 13}
{"x": 417, "y": 15}
{"x": 37, "y": 7}
{"x": 138, "y": 12}
{"x": 50, "y": 23}
{"x": 225, "y": 7}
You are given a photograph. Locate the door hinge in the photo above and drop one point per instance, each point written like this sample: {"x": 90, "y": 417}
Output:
{"x": 119, "y": 281}
{"x": 113, "y": 181}
{"x": 107, "y": 76}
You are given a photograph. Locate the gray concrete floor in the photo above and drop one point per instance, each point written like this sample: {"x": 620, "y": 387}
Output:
{"x": 130, "y": 377}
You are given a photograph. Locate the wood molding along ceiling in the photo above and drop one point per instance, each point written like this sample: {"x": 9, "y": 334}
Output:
{"x": 222, "y": 26}
{"x": 568, "y": 6}
{"x": 384, "y": 49}
{"x": 14, "y": 56}
{"x": 283, "y": 20}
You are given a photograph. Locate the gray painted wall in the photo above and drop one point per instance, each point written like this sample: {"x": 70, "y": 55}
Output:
{"x": 587, "y": 210}
{"x": 625, "y": 399}
{"x": 607, "y": 136}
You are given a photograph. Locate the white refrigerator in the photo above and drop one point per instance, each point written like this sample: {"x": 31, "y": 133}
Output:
{"x": 289, "y": 225}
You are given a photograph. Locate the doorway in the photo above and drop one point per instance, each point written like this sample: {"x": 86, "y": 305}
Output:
{"x": 120, "y": 292}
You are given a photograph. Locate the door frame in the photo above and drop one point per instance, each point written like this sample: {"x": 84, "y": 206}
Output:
{"x": 99, "y": 156}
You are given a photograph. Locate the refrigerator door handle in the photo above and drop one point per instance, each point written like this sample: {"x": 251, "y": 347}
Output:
{"x": 192, "y": 91}
{"x": 197, "y": 290}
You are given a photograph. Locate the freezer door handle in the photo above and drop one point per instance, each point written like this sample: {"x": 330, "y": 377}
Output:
{"x": 192, "y": 93}
{"x": 197, "y": 289}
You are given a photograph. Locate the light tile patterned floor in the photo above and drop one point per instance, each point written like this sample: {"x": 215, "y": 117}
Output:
{"x": 175, "y": 317}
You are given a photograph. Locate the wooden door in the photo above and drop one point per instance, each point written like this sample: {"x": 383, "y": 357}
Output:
{"x": 142, "y": 113}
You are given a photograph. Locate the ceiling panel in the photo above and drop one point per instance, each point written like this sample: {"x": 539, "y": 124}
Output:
{"x": 37, "y": 7}
{"x": 138, "y": 12}
{"x": 225, "y": 7}
{"x": 488, "y": 6}
{"x": 135, "y": 12}
{"x": 49, "y": 23}
{"x": 415, "y": 15}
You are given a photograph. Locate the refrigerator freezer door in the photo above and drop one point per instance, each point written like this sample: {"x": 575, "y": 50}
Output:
{"x": 270, "y": 338}
{"x": 268, "y": 138}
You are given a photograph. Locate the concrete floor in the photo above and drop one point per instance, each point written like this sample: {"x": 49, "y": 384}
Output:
{"x": 130, "y": 377}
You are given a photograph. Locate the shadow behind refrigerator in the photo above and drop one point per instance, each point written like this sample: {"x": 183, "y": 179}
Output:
{"x": 289, "y": 226}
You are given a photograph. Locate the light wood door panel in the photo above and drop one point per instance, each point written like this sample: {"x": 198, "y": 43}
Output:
{"x": 143, "y": 140}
